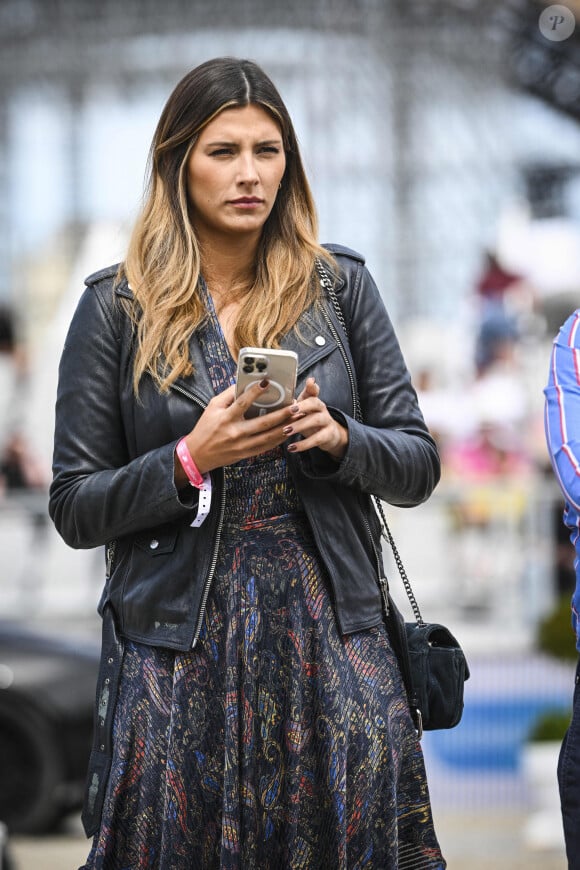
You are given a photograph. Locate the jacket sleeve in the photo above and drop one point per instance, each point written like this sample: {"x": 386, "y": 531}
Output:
{"x": 391, "y": 454}
{"x": 98, "y": 492}
{"x": 562, "y": 409}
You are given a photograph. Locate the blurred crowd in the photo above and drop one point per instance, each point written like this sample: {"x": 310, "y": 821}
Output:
{"x": 20, "y": 466}
{"x": 487, "y": 416}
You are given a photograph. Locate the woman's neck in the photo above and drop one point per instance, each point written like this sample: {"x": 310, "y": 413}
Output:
{"x": 227, "y": 266}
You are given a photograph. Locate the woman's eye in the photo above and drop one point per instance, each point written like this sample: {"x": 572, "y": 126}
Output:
{"x": 218, "y": 152}
{"x": 269, "y": 149}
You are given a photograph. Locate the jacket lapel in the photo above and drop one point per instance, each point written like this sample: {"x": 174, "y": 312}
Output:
{"x": 312, "y": 340}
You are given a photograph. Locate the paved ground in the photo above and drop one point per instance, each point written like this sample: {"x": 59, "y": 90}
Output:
{"x": 491, "y": 841}
{"x": 486, "y": 841}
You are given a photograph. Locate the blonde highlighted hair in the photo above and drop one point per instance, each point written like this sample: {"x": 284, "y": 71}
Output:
{"x": 163, "y": 263}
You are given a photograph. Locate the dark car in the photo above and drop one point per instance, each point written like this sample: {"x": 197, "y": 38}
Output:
{"x": 47, "y": 689}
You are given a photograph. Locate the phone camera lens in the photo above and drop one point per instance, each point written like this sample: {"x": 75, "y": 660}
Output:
{"x": 248, "y": 369}
{"x": 261, "y": 366}
{"x": 249, "y": 360}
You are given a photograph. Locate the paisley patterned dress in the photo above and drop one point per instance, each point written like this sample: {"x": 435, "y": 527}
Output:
{"x": 277, "y": 743}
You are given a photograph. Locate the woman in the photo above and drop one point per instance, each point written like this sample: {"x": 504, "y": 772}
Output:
{"x": 250, "y": 711}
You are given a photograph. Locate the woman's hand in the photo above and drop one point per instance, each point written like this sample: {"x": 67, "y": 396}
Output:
{"x": 222, "y": 435}
{"x": 317, "y": 427}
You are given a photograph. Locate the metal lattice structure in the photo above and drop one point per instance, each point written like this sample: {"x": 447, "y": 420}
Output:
{"x": 406, "y": 109}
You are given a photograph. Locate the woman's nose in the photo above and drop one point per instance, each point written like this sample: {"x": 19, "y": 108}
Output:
{"x": 247, "y": 169}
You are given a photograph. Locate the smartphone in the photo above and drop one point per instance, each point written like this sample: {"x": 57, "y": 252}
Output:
{"x": 279, "y": 366}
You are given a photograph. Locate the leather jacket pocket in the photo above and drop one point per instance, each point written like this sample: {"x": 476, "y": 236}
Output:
{"x": 155, "y": 589}
{"x": 157, "y": 542}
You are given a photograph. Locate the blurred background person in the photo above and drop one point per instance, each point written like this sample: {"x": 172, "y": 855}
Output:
{"x": 21, "y": 467}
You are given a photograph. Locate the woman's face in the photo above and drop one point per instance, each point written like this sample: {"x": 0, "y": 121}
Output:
{"x": 234, "y": 173}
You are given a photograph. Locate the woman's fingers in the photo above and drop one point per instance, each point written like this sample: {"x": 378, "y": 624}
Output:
{"x": 249, "y": 396}
{"x": 311, "y": 388}
{"x": 223, "y": 435}
{"x": 263, "y": 422}
{"x": 316, "y": 426}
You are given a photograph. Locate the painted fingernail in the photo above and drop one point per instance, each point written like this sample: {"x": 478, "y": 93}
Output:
{"x": 264, "y": 383}
{"x": 294, "y": 409}
{"x": 287, "y": 430}
{"x": 292, "y": 448}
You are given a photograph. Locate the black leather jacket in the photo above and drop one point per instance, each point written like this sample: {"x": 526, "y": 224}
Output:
{"x": 113, "y": 459}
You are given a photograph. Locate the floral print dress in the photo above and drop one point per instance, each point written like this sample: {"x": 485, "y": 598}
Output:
{"x": 276, "y": 743}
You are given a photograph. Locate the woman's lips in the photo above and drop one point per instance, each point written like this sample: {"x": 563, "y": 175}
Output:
{"x": 246, "y": 202}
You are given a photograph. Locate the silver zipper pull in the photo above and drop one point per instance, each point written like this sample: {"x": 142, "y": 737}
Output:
{"x": 384, "y": 586}
{"x": 110, "y": 555}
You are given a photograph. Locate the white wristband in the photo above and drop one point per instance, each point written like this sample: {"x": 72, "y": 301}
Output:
{"x": 204, "y": 503}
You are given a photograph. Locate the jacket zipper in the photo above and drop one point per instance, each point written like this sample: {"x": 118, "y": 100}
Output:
{"x": 212, "y": 567}
{"x": 383, "y": 583}
{"x": 109, "y": 558}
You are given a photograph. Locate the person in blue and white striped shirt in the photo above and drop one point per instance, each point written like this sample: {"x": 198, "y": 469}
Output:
{"x": 562, "y": 423}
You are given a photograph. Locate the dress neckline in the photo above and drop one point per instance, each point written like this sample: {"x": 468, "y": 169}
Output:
{"x": 219, "y": 360}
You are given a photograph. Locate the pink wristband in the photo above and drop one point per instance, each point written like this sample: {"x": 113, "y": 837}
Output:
{"x": 200, "y": 481}
{"x": 194, "y": 475}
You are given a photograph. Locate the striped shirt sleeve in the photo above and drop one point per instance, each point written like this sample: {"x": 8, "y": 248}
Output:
{"x": 562, "y": 409}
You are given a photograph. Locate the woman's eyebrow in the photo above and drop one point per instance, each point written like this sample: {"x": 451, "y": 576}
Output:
{"x": 233, "y": 142}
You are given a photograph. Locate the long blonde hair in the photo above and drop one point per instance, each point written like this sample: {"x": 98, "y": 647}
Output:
{"x": 163, "y": 263}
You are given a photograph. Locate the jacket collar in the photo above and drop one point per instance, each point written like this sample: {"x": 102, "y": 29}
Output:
{"x": 311, "y": 339}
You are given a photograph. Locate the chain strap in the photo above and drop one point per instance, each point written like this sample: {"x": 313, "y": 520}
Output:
{"x": 386, "y": 534}
{"x": 327, "y": 284}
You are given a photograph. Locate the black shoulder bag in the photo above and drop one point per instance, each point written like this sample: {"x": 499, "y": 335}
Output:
{"x": 432, "y": 663}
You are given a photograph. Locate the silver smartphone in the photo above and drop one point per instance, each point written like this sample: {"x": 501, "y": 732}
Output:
{"x": 279, "y": 366}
